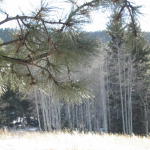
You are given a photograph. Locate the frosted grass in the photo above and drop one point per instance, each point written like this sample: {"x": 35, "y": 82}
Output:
{"x": 71, "y": 141}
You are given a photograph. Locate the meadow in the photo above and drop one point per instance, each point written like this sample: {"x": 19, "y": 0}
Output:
{"x": 71, "y": 141}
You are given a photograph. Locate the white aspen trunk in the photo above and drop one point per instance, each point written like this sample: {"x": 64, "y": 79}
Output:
{"x": 131, "y": 97}
{"x": 88, "y": 116}
{"x": 125, "y": 78}
{"x": 146, "y": 117}
{"x": 43, "y": 112}
{"x": 76, "y": 116}
{"x": 73, "y": 115}
{"x": 108, "y": 100}
{"x": 58, "y": 119}
{"x": 129, "y": 103}
{"x": 59, "y": 114}
{"x": 130, "y": 74}
{"x": 121, "y": 95}
{"x": 55, "y": 115}
{"x": 37, "y": 108}
{"x": 49, "y": 113}
{"x": 103, "y": 99}
{"x": 69, "y": 116}
{"x": 81, "y": 117}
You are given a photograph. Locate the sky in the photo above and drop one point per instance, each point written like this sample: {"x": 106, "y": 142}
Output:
{"x": 99, "y": 20}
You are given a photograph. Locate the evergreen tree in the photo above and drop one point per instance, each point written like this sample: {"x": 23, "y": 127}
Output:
{"x": 14, "y": 109}
{"x": 45, "y": 52}
{"x": 140, "y": 52}
{"x": 44, "y": 48}
{"x": 128, "y": 66}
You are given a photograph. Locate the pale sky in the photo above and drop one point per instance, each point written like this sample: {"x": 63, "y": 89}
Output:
{"x": 99, "y": 20}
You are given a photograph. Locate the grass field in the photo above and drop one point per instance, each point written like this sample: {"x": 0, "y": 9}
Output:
{"x": 70, "y": 141}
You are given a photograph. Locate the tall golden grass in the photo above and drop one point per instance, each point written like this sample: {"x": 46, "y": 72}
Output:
{"x": 71, "y": 141}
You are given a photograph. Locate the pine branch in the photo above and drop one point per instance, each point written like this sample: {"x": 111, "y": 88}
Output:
{"x": 69, "y": 21}
{"x": 131, "y": 10}
{"x": 25, "y": 61}
{"x": 30, "y": 17}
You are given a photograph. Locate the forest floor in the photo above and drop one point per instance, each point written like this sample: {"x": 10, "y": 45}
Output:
{"x": 71, "y": 141}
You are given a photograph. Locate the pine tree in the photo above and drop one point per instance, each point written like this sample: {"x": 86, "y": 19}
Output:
{"x": 44, "y": 51}
{"x": 120, "y": 65}
{"x": 44, "y": 48}
{"x": 13, "y": 107}
{"x": 140, "y": 52}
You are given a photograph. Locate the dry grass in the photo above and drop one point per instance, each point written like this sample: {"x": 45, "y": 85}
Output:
{"x": 71, "y": 141}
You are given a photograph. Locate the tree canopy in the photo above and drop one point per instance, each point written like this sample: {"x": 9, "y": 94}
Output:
{"x": 44, "y": 49}
{"x": 57, "y": 55}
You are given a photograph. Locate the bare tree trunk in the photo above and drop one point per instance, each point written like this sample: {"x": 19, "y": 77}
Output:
{"x": 121, "y": 92}
{"x": 146, "y": 116}
{"x": 130, "y": 74}
{"x": 107, "y": 94}
{"x": 37, "y": 108}
{"x": 103, "y": 99}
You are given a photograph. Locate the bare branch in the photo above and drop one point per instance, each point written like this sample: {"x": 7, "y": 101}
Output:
{"x": 29, "y": 17}
{"x": 10, "y": 42}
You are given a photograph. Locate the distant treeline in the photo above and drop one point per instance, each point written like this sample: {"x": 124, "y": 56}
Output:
{"x": 6, "y": 34}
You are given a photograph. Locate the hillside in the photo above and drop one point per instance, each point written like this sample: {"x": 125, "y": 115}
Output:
{"x": 7, "y": 33}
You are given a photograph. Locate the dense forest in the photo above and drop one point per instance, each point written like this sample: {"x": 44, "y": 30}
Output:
{"x": 120, "y": 102}
{"x": 54, "y": 75}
